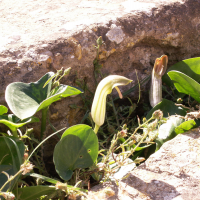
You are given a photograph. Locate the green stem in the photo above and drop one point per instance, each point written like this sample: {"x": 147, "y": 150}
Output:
{"x": 96, "y": 128}
{"x": 97, "y": 57}
{"x": 140, "y": 126}
{"x": 43, "y": 123}
{"x": 10, "y": 179}
{"x": 43, "y": 142}
{"x": 133, "y": 150}
{"x": 14, "y": 132}
{"x": 138, "y": 86}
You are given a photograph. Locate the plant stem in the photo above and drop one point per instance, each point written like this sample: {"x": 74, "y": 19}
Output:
{"x": 43, "y": 142}
{"x": 133, "y": 150}
{"x": 96, "y": 128}
{"x": 97, "y": 57}
{"x": 43, "y": 123}
{"x": 138, "y": 86}
{"x": 140, "y": 125}
{"x": 10, "y": 179}
{"x": 14, "y": 132}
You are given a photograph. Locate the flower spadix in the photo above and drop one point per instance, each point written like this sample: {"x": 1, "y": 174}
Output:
{"x": 103, "y": 89}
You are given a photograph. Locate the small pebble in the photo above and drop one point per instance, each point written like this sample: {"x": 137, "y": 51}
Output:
{"x": 30, "y": 69}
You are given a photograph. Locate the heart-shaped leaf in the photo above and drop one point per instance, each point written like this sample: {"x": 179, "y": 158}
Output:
{"x": 25, "y": 99}
{"x": 78, "y": 148}
{"x": 185, "y": 84}
{"x": 11, "y": 155}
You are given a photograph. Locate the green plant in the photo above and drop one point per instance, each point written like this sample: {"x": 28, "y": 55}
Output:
{"x": 25, "y": 99}
{"x": 80, "y": 145}
{"x": 11, "y": 158}
{"x": 185, "y": 76}
{"x": 188, "y": 84}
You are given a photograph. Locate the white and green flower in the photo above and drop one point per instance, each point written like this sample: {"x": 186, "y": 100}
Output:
{"x": 103, "y": 89}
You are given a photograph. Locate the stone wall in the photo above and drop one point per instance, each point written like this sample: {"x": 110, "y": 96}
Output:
{"x": 173, "y": 172}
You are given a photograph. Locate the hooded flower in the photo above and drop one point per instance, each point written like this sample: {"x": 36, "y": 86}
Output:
{"x": 103, "y": 89}
{"x": 160, "y": 67}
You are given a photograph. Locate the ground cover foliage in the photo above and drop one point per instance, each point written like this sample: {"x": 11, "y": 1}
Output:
{"x": 111, "y": 139}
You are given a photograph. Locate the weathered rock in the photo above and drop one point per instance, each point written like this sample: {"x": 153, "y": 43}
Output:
{"x": 173, "y": 172}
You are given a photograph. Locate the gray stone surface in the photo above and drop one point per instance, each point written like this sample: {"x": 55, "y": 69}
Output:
{"x": 173, "y": 172}
{"x": 38, "y": 21}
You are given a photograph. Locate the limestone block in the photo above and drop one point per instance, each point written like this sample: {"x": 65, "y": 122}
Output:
{"x": 173, "y": 172}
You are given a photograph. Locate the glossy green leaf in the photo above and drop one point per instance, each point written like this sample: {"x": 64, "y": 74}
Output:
{"x": 78, "y": 148}
{"x": 185, "y": 126}
{"x": 3, "y": 110}
{"x": 11, "y": 155}
{"x": 10, "y": 121}
{"x": 185, "y": 84}
{"x": 25, "y": 99}
{"x": 34, "y": 192}
{"x": 191, "y": 67}
{"x": 168, "y": 108}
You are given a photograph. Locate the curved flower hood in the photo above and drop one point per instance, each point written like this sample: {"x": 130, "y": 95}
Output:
{"x": 103, "y": 89}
